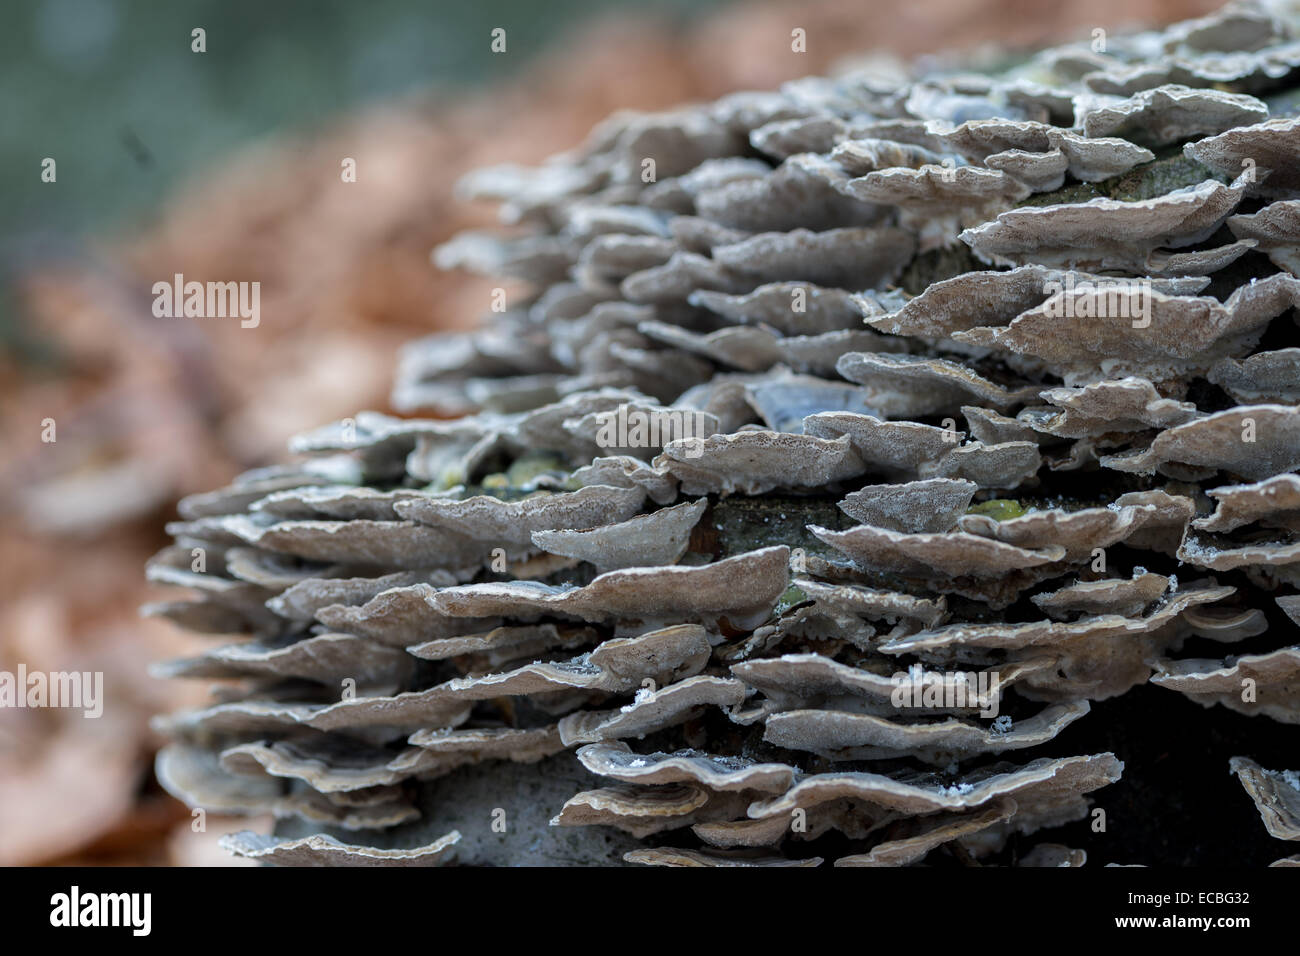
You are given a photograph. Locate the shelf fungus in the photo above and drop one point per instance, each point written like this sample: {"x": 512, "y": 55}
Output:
{"x": 1277, "y": 798}
{"x": 816, "y": 499}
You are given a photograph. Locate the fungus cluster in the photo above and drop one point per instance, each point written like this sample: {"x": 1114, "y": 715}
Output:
{"x": 949, "y": 405}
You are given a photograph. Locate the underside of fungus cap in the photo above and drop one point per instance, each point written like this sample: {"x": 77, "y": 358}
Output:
{"x": 852, "y": 445}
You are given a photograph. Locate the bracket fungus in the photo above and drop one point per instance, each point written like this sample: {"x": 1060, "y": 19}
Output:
{"x": 880, "y": 396}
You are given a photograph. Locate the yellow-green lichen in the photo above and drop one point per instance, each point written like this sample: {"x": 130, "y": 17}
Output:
{"x": 789, "y": 598}
{"x": 525, "y": 470}
{"x": 999, "y": 509}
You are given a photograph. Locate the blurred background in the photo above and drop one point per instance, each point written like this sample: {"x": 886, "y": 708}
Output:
{"x": 225, "y": 165}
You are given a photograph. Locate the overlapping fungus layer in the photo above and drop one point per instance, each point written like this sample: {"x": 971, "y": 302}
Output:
{"x": 982, "y": 380}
